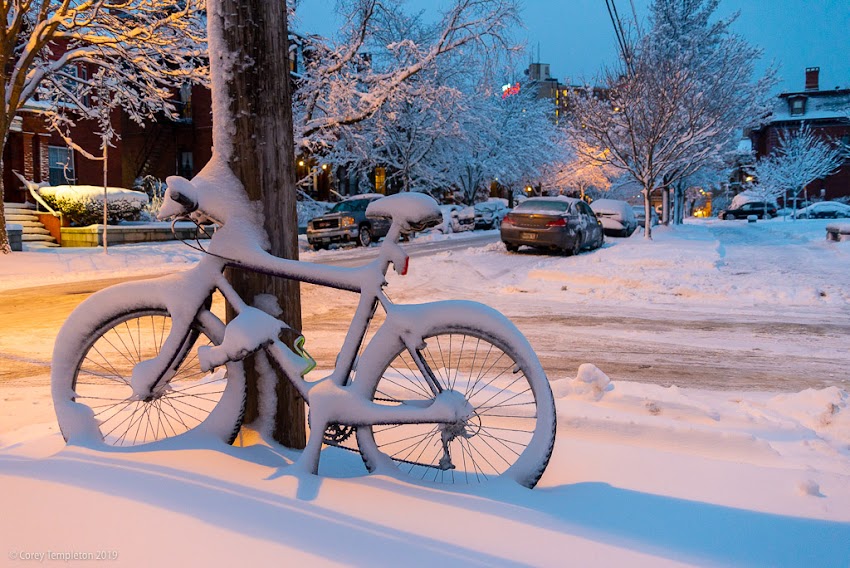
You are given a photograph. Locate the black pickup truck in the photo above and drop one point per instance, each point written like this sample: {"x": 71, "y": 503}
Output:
{"x": 347, "y": 222}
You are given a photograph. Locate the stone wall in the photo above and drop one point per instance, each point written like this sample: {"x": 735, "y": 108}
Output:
{"x": 92, "y": 236}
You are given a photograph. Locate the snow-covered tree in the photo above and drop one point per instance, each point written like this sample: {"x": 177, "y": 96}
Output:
{"x": 380, "y": 47}
{"x": 405, "y": 136}
{"x": 800, "y": 158}
{"x": 586, "y": 168}
{"x": 510, "y": 139}
{"x": 679, "y": 101}
{"x": 151, "y": 45}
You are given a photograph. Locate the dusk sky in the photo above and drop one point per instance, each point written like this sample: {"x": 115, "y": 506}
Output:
{"x": 576, "y": 36}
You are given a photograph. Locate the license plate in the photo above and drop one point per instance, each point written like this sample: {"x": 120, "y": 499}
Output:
{"x": 528, "y": 236}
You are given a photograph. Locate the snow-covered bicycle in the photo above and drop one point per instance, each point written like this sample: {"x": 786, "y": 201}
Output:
{"x": 447, "y": 391}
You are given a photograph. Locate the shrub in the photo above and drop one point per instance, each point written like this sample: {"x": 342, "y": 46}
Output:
{"x": 155, "y": 190}
{"x": 83, "y": 205}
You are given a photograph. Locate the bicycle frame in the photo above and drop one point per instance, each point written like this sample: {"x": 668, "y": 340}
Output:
{"x": 367, "y": 280}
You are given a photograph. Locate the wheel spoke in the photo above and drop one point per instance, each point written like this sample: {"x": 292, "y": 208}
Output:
{"x": 494, "y": 438}
{"x": 102, "y": 381}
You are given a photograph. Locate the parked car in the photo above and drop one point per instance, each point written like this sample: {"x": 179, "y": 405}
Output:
{"x": 489, "y": 214}
{"x": 824, "y": 210}
{"x": 618, "y": 218}
{"x": 559, "y": 223}
{"x": 756, "y": 208}
{"x": 640, "y": 215}
{"x": 456, "y": 218}
{"x": 347, "y": 222}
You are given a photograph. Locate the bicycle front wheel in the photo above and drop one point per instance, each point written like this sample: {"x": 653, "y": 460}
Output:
{"x": 512, "y": 429}
{"x": 91, "y": 378}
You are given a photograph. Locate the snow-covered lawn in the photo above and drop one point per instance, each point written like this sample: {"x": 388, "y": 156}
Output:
{"x": 641, "y": 475}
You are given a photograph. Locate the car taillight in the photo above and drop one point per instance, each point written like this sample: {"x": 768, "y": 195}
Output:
{"x": 507, "y": 221}
{"x": 557, "y": 223}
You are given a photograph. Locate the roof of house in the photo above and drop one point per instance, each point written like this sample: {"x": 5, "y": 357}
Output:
{"x": 819, "y": 105}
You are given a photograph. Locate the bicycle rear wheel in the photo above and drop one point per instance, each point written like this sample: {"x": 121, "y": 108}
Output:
{"x": 91, "y": 380}
{"x": 512, "y": 429}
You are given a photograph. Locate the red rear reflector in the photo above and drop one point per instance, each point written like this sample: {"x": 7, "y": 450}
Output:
{"x": 557, "y": 223}
{"x": 406, "y": 265}
{"x": 507, "y": 221}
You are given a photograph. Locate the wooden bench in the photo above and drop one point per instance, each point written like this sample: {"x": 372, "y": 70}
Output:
{"x": 838, "y": 232}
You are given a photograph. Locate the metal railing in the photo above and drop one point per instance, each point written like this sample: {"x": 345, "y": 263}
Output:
{"x": 33, "y": 188}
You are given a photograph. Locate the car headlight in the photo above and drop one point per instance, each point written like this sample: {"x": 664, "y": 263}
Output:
{"x": 346, "y": 221}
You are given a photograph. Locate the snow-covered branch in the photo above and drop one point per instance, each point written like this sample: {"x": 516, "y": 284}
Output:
{"x": 380, "y": 49}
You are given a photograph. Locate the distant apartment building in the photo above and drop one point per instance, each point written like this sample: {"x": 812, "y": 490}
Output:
{"x": 548, "y": 87}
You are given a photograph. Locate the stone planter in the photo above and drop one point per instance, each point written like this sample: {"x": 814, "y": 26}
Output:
{"x": 15, "y": 234}
{"x": 92, "y": 236}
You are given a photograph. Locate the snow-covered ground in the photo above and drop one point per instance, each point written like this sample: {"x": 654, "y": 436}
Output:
{"x": 641, "y": 475}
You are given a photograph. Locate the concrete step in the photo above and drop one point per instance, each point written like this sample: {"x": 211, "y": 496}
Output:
{"x": 8, "y": 206}
{"x": 32, "y": 245}
{"x": 28, "y": 223}
{"x": 30, "y": 237}
{"x": 36, "y": 231}
{"x": 17, "y": 218}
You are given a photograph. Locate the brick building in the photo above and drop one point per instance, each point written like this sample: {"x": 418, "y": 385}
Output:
{"x": 160, "y": 148}
{"x": 827, "y": 114}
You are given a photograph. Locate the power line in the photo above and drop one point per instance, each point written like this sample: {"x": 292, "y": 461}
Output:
{"x": 620, "y": 33}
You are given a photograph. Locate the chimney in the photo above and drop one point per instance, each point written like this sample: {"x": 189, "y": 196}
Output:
{"x": 812, "y": 74}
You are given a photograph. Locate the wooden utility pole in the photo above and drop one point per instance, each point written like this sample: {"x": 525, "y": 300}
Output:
{"x": 254, "y": 32}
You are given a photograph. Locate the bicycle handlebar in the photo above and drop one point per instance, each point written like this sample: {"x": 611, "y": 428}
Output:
{"x": 189, "y": 204}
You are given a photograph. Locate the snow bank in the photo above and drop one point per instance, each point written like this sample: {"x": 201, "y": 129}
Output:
{"x": 644, "y": 476}
{"x": 590, "y": 383}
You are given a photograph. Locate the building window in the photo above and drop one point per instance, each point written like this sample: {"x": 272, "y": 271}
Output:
{"x": 380, "y": 180}
{"x": 798, "y": 107}
{"x": 60, "y": 165}
{"x": 186, "y": 164}
{"x": 185, "y": 101}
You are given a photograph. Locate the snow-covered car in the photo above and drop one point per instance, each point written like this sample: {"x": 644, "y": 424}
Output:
{"x": 824, "y": 210}
{"x": 618, "y": 218}
{"x": 347, "y": 222}
{"x": 489, "y": 214}
{"x": 750, "y": 208}
{"x": 640, "y": 215}
{"x": 456, "y": 218}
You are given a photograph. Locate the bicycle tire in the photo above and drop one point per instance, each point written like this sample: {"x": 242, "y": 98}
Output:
{"x": 516, "y": 442}
{"x": 93, "y": 359}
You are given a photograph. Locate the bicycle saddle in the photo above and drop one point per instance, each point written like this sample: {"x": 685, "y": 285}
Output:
{"x": 412, "y": 211}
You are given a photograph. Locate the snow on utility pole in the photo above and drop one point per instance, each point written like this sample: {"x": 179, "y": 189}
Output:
{"x": 249, "y": 58}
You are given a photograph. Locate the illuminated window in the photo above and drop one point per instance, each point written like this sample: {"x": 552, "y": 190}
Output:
{"x": 61, "y": 164}
{"x": 381, "y": 180}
